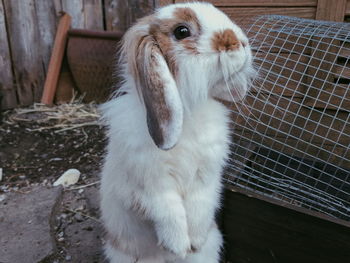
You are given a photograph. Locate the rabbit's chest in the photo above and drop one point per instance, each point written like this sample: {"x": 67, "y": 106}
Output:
{"x": 203, "y": 149}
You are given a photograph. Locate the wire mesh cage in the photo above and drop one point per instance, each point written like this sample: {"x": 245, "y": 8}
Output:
{"x": 291, "y": 137}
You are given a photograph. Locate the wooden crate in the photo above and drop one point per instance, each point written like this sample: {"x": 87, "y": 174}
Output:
{"x": 263, "y": 230}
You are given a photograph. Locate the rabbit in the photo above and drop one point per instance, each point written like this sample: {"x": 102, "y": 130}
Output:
{"x": 168, "y": 135}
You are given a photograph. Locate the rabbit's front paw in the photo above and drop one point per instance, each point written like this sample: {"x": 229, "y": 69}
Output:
{"x": 177, "y": 243}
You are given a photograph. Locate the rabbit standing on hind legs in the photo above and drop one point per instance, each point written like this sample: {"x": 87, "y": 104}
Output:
{"x": 169, "y": 137}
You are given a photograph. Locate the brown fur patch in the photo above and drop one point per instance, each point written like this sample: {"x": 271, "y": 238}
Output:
{"x": 158, "y": 114}
{"x": 160, "y": 31}
{"x": 225, "y": 41}
{"x": 187, "y": 15}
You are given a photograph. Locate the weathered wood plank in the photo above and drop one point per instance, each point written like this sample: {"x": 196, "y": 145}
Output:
{"x": 86, "y": 14}
{"x": 332, "y": 97}
{"x": 345, "y": 51}
{"x": 93, "y": 17}
{"x": 266, "y": 37}
{"x": 285, "y": 74}
{"x": 256, "y": 3}
{"x": 322, "y": 73}
{"x": 241, "y": 14}
{"x": 6, "y": 78}
{"x": 47, "y": 22}
{"x": 336, "y": 154}
{"x": 121, "y": 14}
{"x": 26, "y": 49}
{"x": 75, "y": 8}
{"x": 331, "y": 10}
{"x": 342, "y": 72}
{"x": 289, "y": 118}
{"x": 347, "y": 10}
{"x": 111, "y": 19}
{"x": 164, "y": 2}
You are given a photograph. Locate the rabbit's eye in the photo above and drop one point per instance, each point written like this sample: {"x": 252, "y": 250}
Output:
{"x": 181, "y": 32}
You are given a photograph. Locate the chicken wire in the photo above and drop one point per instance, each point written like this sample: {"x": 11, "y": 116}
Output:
{"x": 292, "y": 132}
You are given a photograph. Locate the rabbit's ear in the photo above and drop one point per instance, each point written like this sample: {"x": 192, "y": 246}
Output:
{"x": 160, "y": 94}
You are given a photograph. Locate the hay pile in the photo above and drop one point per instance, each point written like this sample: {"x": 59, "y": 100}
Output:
{"x": 59, "y": 118}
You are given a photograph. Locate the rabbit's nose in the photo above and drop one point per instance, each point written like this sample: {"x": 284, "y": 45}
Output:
{"x": 225, "y": 41}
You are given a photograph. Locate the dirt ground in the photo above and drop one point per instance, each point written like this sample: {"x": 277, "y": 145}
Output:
{"x": 34, "y": 149}
{"x": 37, "y": 145}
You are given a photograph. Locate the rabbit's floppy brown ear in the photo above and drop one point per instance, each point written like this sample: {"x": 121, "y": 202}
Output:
{"x": 160, "y": 94}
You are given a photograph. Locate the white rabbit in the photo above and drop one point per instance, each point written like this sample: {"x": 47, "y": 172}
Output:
{"x": 168, "y": 136}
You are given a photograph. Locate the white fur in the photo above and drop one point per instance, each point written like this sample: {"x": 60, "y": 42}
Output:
{"x": 198, "y": 69}
{"x": 178, "y": 189}
{"x": 159, "y": 205}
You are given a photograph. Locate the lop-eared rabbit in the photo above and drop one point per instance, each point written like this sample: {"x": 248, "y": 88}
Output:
{"x": 169, "y": 137}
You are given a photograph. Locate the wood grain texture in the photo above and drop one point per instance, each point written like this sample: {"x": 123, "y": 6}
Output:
{"x": 331, "y": 97}
{"x": 241, "y": 14}
{"x": 121, "y": 14}
{"x": 321, "y": 151}
{"x": 93, "y": 16}
{"x": 284, "y": 72}
{"x": 323, "y": 74}
{"x": 345, "y": 50}
{"x": 256, "y": 3}
{"x": 6, "y": 78}
{"x": 281, "y": 116}
{"x": 331, "y": 10}
{"x": 86, "y": 14}
{"x": 290, "y": 127}
{"x": 260, "y": 230}
{"x": 164, "y": 2}
{"x": 27, "y": 57}
{"x": 75, "y": 8}
{"x": 47, "y": 25}
{"x": 112, "y": 21}
{"x": 342, "y": 72}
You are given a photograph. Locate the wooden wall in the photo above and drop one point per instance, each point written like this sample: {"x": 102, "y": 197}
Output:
{"x": 333, "y": 10}
{"x": 27, "y": 31}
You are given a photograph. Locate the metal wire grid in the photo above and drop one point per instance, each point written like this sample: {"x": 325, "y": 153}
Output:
{"x": 291, "y": 136}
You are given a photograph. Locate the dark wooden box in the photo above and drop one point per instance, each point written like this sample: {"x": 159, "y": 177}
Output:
{"x": 262, "y": 230}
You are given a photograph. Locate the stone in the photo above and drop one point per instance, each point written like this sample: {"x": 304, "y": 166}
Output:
{"x": 69, "y": 177}
{"x": 25, "y": 225}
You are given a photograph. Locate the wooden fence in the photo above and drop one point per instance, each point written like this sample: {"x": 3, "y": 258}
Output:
{"x": 27, "y": 30}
